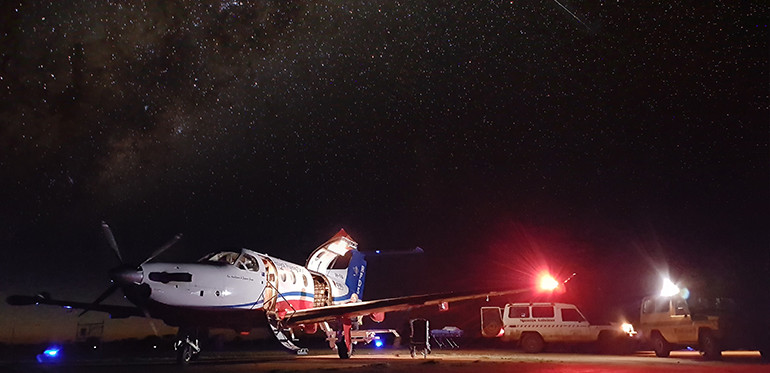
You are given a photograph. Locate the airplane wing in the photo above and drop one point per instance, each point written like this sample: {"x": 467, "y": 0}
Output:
{"x": 116, "y": 312}
{"x": 320, "y": 314}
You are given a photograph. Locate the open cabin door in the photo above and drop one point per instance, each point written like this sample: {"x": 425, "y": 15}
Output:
{"x": 271, "y": 287}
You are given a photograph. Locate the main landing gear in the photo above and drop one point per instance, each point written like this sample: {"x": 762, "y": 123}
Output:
{"x": 340, "y": 340}
{"x": 345, "y": 340}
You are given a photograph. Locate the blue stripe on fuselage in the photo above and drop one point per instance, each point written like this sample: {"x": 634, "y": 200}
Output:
{"x": 294, "y": 295}
{"x": 245, "y": 305}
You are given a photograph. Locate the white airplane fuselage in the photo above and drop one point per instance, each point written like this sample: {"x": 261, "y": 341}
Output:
{"x": 238, "y": 289}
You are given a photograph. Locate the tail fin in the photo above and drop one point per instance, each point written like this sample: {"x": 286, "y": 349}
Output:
{"x": 344, "y": 266}
{"x": 356, "y": 276}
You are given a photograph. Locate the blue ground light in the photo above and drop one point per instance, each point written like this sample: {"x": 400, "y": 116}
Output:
{"x": 49, "y": 355}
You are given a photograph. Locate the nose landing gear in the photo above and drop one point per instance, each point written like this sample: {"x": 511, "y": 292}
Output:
{"x": 187, "y": 347}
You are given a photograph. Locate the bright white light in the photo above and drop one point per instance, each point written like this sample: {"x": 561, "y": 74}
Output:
{"x": 548, "y": 283}
{"x": 628, "y": 328}
{"x": 669, "y": 288}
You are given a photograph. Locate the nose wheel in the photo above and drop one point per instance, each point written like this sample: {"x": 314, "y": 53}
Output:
{"x": 187, "y": 348}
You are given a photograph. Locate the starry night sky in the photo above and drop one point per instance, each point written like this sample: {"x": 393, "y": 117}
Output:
{"x": 629, "y": 138}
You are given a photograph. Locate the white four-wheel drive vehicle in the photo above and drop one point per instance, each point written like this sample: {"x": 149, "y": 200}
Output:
{"x": 533, "y": 325}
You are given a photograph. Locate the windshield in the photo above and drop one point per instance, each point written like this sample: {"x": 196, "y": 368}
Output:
{"x": 223, "y": 257}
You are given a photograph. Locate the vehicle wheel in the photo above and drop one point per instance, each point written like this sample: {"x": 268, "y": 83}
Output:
{"x": 184, "y": 354}
{"x": 661, "y": 347}
{"x": 532, "y": 343}
{"x": 710, "y": 346}
{"x": 606, "y": 344}
{"x": 342, "y": 350}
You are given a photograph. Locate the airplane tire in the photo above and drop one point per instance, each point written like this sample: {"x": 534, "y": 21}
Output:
{"x": 660, "y": 345}
{"x": 532, "y": 343}
{"x": 342, "y": 350}
{"x": 184, "y": 354}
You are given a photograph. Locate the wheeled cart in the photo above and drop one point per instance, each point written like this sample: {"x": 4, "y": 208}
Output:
{"x": 419, "y": 340}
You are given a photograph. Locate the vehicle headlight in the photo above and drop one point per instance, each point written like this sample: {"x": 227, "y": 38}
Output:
{"x": 628, "y": 328}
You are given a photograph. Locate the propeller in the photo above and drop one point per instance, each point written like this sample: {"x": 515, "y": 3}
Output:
{"x": 102, "y": 297}
{"x": 125, "y": 273}
{"x": 161, "y": 249}
{"x": 111, "y": 240}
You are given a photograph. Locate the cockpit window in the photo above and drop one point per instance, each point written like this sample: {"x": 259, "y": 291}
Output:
{"x": 224, "y": 257}
{"x": 247, "y": 262}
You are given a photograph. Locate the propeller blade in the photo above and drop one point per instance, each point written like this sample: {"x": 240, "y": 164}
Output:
{"x": 149, "y": 319}
{"x": 163, "y": 248}
{"x": 111, "y": 240}
{"x": 102, "y": 297}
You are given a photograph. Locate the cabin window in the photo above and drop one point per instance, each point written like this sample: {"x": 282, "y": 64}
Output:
{"x": 518, "y": 312}
{"x": 657, "y": 305}
{"x": 571, "y": 314}
{"x": 542, "y": 311}
{"x": 304, "y": 278}
{"x": 680, "y": 307}
{"x": 647, "y": 306}
{"x": 283, "y": 276}
{"x": 293, "y": 278}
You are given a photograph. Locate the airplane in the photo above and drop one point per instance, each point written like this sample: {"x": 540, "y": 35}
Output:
{"x": 245, "y": 290}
